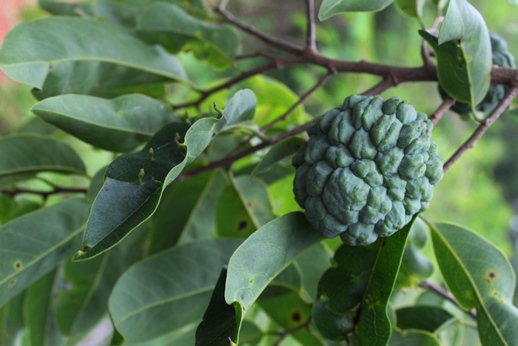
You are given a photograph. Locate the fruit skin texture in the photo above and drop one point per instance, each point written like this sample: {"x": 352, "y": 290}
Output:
{"x": 502, "y": 58}
{"x": 367, "y": 168}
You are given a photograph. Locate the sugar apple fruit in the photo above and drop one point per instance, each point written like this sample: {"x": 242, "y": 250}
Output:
{"x": 501, "y": 57}
{"x": 367, "y": 168}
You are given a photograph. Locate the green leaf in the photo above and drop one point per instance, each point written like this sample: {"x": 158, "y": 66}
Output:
{"x": 413, "y": 338}
{"x": 430, "y": 317}
{"x": 27, "y": 155}
{"x": 11, "y": 208}
{"x": 411, "y": 8}
{"x": 63, "y": 55}
{"x": 312, "y": 265}
{"x": 35, "y": 243}
{"x": 38, "y": 312}
{"x": 11, "y": 321}
{"x": 187, "y": 211}
{"x": 264, "y": 255}
{"x": 479, "y": 276}
{"x": 291, "y": 313}
{"x": 135, "y": 182}
{"x": 332, "y": 7}
{"x": 240, "y": 108}
{"x": 67, "y": 9}
{"x": 278, "y": 152}
{"x": 118, "y": 125}
{"x": 83, "y": 289}
{"x": 169, "y": 25}
{"x": 353, "y": 296}
{"x": 221, "y": 321}
{"x": 463, "y": 50}
{"x": 183, "y": 279}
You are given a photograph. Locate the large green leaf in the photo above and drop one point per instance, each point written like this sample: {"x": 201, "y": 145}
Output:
{"x": 170, "y": 26}
{"x": 83, "y": 288}
{"x": 183, "y": 279}
{"x": 220, "y": 322}
{"x": 59, "y": 55}
{"x": 135, "y": 182}
{"x": 11, "y": 322}
{"x": 430, "y": 317}
{"x": 332, "y": 7}
{"x": 479, "y": 276}
{"x": 38, "y": 312}
{"x": 119, "y": 125}
{"x": 463, "y": 51}
{"x": 353, "y": 295}
{"x": 413, "y": 338}
{"x": 35, "y": 243}
{"x": 278, "y": 152}
{"x": 264, "y": 255}
{"x": 240, "y": 108}
{"x": 27, "y": 155}
{"x": 243, "y": 207}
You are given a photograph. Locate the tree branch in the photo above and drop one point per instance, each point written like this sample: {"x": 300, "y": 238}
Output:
{"x": 302, "y": 98}
{"x": 438, "y": 290}
{"x": 446, "y": 104}
{"x": 311, "y": 43}
{"x": 284, "y": 334}
{"x": 377, "y": 89}
{"x": 484, "y": 126}
{"x": 43, "y": 194}
{"x": 271, "y": 41}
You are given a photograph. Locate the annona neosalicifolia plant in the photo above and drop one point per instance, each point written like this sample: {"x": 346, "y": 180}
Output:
{"x": 501, "y": 57}
{"x": 368, "y": 167}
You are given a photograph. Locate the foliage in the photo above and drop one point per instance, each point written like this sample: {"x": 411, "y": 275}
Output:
{"x": 151, "y": 198}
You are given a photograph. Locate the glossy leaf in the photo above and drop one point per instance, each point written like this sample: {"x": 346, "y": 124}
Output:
{"x": 290, "y": 312}
{"x": 183, "y": 279}
{"x": 411, "y": 8}
{"x": 353, "y": 295}
{"x": 463, "y": 51}
{"x": 12, "y": 326}
{"x": 278, "y": 152}
{"x": 28, "y": 154}
{"x": 430, "y": 318}
{"x": 63, "y": 55}
{"x": 135, "y": 182}
{"x": 38, "y": 312}
{"x": 35, "y": 243}
{"x": 221, "y": 321}
{"x": 120, "y": 124}
{"x": 240, "y": 108}
{"x": 332, "y": 7}
{"x": 479, "y": 276}
{"x": 169, "y": 25}
{"x": 264, "y": 255}
{"x": 413, "y": 338}
{"x": 187, "y": 211}
{"x": 83, "y": 288}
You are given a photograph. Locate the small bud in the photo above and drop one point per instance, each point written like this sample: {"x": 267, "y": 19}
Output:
{"x": 141, "y": 175}
{"x": 151, "y": 153}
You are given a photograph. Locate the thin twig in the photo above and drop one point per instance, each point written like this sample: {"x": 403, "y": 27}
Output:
{"x": 438, "y": 290}
{"x": 484, "y": 126}
{"x": 271, "y": 41}
{"x": 43, "y": 194}
{"x": 302, "y": 98}
{"x": 446, "y": 104}
{"x": 311, "y": 42}
{"x": 425, "y": 54}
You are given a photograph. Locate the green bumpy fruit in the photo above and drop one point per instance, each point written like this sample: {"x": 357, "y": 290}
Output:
{"x": 501, "y": 57}
{"x": 367, "y": 168}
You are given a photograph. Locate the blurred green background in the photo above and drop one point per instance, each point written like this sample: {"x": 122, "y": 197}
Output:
{"x": 480, "y": 189}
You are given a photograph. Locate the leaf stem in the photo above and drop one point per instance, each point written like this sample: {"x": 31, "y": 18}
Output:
{"x": 438, "y": 290}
